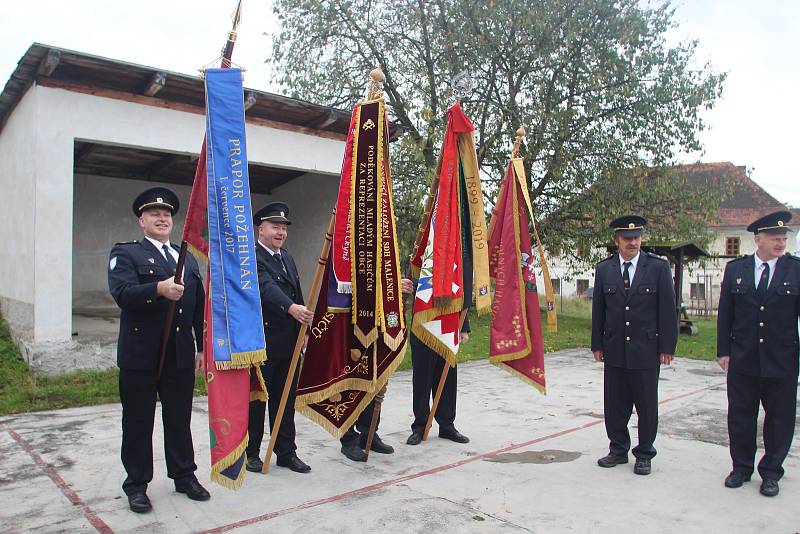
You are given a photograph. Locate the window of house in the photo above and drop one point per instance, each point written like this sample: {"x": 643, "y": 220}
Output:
{"x": 556, "y": 285}
{"x": 697, "y": 291}
{"x": 581, "y": 286}
{"x": 732, "y": 246}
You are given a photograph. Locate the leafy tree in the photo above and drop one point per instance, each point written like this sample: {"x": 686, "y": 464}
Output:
{"x": 594, "y": 82}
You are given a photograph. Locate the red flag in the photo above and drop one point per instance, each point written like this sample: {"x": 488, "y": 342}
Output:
{"x": 515, "y": 338}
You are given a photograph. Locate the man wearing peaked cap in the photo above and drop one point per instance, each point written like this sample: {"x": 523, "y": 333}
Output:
{"x": 634, "y": 331}
{"x": 283, "y": 311}
{"x": 141, "y": 280}
{"x": 757, "y": 345}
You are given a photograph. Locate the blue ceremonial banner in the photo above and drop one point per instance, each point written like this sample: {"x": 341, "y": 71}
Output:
{"x": 237, "y": 332}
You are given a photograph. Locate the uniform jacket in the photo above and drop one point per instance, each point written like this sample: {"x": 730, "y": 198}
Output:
{"x": 135, "y": 268}
{"x": 279, "y": 290}
{"x": 633, "y": 329}
{"x": 760, "y": 337}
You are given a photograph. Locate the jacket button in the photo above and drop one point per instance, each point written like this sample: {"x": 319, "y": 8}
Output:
{"x": 761, "y": 308}
{"x": 761, "y": 340}
{"x": 135, "y": 329}
{"x": 647, "y": 290}
{"x": 149, "y": 301}
{"x": 627, "y": 338}
{"x": 151, "y": 271}
{"x": 788, "y": 292}
{"x": 627, "y": 308}
{"x": 760, "y": 324}
{"x": 177, "y": 328}
{"x": 180, "y": 310}
{"x": 627, "y": 323}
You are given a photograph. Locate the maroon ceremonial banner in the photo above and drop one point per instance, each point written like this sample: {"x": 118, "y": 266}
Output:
{"x": 515, "y": 337}
{"x": 358, "y": 336}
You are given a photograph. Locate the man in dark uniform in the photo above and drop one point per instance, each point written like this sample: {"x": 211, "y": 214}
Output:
{"x": 141, "y": 280}
{"x": 426, "y": 370}
{"x": 283, "y": 311}
{"x": 354, "y": 441}
{"x": 757, "y": 345}
{"x": 634, "y": 331}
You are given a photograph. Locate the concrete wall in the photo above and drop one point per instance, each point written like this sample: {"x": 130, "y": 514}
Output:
{"x": 18, "y": 186}
{"x": 103, "y": 216}
{"x": 36, "y": 176}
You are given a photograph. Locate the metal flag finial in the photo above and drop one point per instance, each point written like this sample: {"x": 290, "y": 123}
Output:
{"x": 375, "y": 87}
{"x": 515, "y": 153}
{"x": 236, "y": 17}
{"x": 462, "y": 85}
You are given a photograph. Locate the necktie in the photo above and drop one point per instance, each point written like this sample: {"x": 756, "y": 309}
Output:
{"x": 626, "y": 276}
{"x": 763, "y": 282}
{"x": 277, "y": 255}
{"x": 170, "y": 260}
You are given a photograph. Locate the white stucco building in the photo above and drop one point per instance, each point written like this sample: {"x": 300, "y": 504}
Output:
{"x": 80, "y": 136}
{"x": 745, "y": 201}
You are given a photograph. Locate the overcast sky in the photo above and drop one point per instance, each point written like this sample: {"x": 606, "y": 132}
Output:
{"x": 756, "y": 43}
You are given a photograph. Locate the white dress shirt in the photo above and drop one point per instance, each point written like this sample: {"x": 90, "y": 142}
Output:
{"x": 632, "y": 268}
{"x": 759, "y": 266}
{"x": 159, "y": 245}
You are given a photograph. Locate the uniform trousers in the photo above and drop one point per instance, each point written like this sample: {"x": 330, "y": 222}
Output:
{"x": 622, "y": 390}
{"x": 778, "y": 396}
{"x": 426, "y": 371}
{"x": 274, "y": 373}
{"x": 137, "y": 392}
{"x": 361, "y": 427}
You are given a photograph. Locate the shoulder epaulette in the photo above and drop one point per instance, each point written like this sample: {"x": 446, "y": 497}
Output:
{"x": 742, "y": 258}
{"x": 608, "y": 258}
{"x": 655, "y": 256}
{"x": 134, "y": 242}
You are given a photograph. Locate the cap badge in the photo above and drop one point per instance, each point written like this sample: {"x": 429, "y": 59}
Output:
{"x": 738, "y": 280}
{"x": 780, "y": 223}
{"x": 151, "y": 260}
{"x": 159, "y": 199}
{"x": 631, "y": 225}
{"x": 282, "y": 214}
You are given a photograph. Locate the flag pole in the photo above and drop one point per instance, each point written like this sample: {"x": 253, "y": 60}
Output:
{"x": 322, "y": 262}
{"x": 227, "y": 52}
{"x": 374, "y": 92}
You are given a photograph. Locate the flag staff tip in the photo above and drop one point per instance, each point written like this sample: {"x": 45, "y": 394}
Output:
{"x": 515, "y": 153}
{"x": 375, "y": 86}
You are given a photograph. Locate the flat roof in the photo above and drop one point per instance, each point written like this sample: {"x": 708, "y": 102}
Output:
{"x": 76, "y": 71}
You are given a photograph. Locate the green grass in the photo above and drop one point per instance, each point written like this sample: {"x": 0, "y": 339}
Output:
{"x": 24, "y": 391}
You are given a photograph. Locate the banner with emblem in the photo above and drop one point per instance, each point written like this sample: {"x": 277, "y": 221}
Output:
{"x": 358, "y": 336}
{"x": 515, "y": 337}
{"x": 219, "y": 211}
{"x": 450, "y": 260}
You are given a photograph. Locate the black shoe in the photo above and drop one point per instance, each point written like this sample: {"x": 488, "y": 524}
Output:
{"x": 294, "y": 463}
{"x": 736, "y": 479}
{"x": 139, "y": 503}
{"x": 414, "y": 439}
{"x": 192, "y": 489}
{"x": 254, "y": 464}
{"x": 453, "y": 435}
{"x": 377, "y": 444}
{"x": 354, "y": 453}
{"x": 641, "y": 467}
{"x": 769, "y": 487}
{"x": 611, "y": 460}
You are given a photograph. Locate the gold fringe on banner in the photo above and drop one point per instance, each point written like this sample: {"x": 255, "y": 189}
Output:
{"x": 552, "y": 318}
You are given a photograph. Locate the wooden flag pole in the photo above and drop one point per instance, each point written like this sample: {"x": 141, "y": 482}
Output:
{"x": 373, "y": 424}
{"x": 322, "y": 262}
{"x": 227, "y": 53}
{"x": 171, "y": 312}
{"x": 440, "y": 387}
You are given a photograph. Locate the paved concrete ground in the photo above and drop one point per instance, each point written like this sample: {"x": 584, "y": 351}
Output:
{"x": 530, "y": 467}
